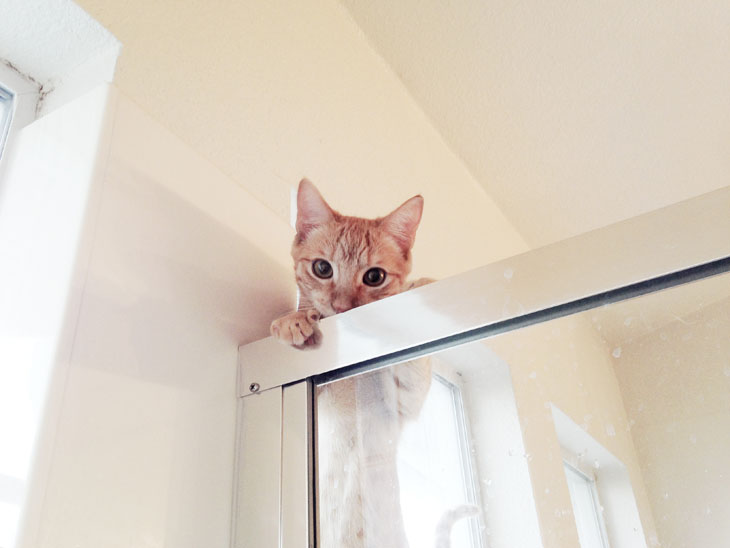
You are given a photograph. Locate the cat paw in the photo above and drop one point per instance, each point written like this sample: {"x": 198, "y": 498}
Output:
{"x": 298, "y": 329}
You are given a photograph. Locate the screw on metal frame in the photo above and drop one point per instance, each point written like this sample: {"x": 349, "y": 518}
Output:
{"x": 254, "y": 387}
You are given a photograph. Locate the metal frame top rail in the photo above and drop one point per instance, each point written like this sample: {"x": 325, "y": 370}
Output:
{"x": 686, "y": 241}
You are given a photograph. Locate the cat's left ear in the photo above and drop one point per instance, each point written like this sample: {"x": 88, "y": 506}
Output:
{"x": 312, "y": 210}
{"x": 403, "y": 222}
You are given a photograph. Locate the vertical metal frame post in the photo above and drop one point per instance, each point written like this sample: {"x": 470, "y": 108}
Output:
{"x": 274, "y": 469}
{"x": 297, "y": 467}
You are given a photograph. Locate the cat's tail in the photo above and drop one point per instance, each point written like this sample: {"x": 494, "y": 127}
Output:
{"x": 447, "y": 521}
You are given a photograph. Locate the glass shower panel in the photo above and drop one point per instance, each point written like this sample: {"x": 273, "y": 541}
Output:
{"x": 469, "y": 445}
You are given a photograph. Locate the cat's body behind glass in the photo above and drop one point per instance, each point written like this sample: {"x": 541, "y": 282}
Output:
{"x": 340, "y": 263}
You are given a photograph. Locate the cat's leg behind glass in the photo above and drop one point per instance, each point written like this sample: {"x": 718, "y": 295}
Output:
{"x": 411, "y": 382}
{"x": 360, "y": 423}
{"x": 339, "y": 492}
{"x": 387, "y": 399}
{"x": 358, "y": 488}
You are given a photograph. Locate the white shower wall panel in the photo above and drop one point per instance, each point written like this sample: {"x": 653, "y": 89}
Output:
{"x": 139, "y": 450}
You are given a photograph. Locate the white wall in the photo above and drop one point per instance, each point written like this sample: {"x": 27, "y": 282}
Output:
{"x": 138, "y": 440}
{"x": 675, "y": 383}
{"x": 49, "y": 195}
{"x": 498, "y": 450}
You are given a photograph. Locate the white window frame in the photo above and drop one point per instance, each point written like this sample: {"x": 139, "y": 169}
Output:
{"x": 658, "y": 250}
{"x": 25, "y": 94}
{"x": 588, "y": 476}
{"x": 620, "y": 522}
{"x": 467, "y": 479}
{"x": 7, "y": 102}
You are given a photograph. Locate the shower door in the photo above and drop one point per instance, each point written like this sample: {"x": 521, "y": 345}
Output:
{"x": 574, "y": 396}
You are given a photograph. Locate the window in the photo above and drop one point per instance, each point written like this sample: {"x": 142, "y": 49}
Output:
{"x": 6, "y": 115}
{"x": 435, "y": 468}
{"x": 586, "y": 507}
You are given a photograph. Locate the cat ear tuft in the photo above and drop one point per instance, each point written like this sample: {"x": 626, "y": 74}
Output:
{"x": 403, "y": 222}
{"x": 312, "y": 210}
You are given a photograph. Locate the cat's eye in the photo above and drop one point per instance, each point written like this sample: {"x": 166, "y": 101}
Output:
{"x": 374, "y": 277}
{"x": 322, "y": 269}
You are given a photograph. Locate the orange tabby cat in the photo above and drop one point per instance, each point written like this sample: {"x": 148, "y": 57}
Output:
{"x": 341, "y": 263}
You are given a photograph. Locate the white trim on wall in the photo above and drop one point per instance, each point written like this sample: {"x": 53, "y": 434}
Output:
{"x": 584, "y": 453}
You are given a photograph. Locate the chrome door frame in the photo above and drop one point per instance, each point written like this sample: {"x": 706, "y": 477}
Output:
{"x": 274, "y": 463}
{"x": 274, "y": 499}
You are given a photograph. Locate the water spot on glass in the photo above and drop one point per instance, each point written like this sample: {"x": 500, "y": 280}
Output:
{"x": 708, "y": 510}
{"x": 628, "y": 321}
{"x": 693, "y": 439}
{"x": 610, "y": 430}
{"x": 616, "y": 352}
{"x": 596, "y": 464}
{"x": 533, "y": 375}
{"x": 666, "y": 496}
{"x": 663, "y": 336}
{"x": 510, "y": 308}
{"x": 726, "y": 370}
{"x": 508, "y": 273}
{"x": 547, "y": 490}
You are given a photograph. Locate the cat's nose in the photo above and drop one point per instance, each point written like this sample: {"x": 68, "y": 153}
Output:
{"x": 340, "y": 307}
{"x": 341, "y": 303}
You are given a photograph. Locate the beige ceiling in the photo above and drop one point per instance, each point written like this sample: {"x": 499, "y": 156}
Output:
{"x": 572, "y": 115}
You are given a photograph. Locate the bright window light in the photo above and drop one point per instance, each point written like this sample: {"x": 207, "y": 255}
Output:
{"x": 434, "y": 468}
{"x": 6, "y": 114}
{"x": 586, "y": 508}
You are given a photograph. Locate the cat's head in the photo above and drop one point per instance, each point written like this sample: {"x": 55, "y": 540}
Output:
{"x": 343, "y": 262}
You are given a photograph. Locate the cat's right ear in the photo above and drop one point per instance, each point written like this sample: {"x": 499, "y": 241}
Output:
{"x": 312, "y": 210}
